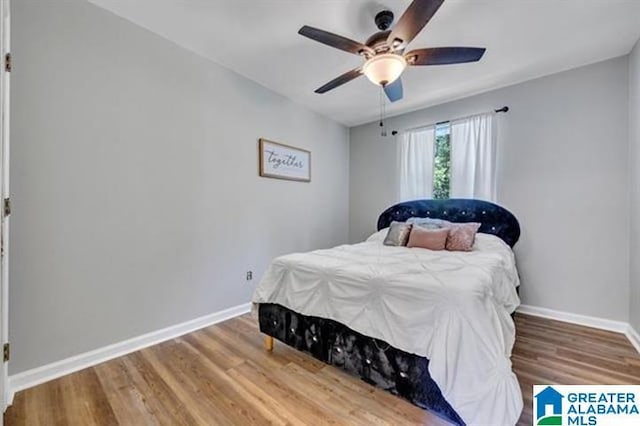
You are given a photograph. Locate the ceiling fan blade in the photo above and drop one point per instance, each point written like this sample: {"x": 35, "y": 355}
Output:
{"x": 339, "y": 81}
{"x": 444, "y": 55}
{"x": 335, "y": 40}
{"x": 412, "y": 22}
{"x": 394, "y": 90}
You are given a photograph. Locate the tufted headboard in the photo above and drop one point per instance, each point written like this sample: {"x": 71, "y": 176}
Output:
{"x": 495, "y": 220}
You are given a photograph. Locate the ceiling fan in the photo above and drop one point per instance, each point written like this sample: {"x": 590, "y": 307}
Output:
{"x": 383, "y": 52}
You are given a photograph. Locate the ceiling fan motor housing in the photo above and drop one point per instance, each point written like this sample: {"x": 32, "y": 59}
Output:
{"x": 384, "y": 20}
{"x": 378, "y": 41}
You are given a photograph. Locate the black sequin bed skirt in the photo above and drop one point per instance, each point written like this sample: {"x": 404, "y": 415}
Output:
{"x": 372, "y": 360}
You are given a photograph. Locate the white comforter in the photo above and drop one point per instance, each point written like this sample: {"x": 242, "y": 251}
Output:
{"x": 451, "y": 307}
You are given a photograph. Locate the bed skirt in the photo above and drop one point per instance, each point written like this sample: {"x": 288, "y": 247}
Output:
{"x": 373, "y": 360}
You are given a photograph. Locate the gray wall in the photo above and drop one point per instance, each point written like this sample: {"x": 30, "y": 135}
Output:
{"x": 137, "y": 203}
{"x": 634, "y": 164}
{"x": 562, "y": 171}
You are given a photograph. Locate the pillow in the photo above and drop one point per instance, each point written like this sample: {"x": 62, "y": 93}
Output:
{"x": 462, "y": 236}
{"x": 378, "y": 236}
{"x": 432, "y": 239}
{"x": 428, "y": 223}
{"x": 398, "y": 234}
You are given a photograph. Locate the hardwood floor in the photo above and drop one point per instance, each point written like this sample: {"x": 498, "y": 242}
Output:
{"x": 553, "y": 352}
{"x": 223, "y": 375}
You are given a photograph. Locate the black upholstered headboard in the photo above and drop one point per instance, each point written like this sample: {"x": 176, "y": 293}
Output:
{"x": 495, "y": 220}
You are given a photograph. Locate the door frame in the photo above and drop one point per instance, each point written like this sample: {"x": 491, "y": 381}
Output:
{"x": 5, "y": 38}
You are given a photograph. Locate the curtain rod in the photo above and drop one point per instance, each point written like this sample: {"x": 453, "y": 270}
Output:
{"x": 503, "y": 109}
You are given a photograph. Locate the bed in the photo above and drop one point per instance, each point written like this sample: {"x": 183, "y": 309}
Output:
{"x": 432, "y": 327}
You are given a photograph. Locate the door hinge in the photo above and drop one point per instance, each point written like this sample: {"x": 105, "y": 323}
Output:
{"x": 7, "y": 207}
{"x": 7, "y": 62}
{"x": 6, "y": 351}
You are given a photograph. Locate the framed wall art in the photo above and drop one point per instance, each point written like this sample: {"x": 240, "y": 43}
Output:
{"x": 282, "y": 161}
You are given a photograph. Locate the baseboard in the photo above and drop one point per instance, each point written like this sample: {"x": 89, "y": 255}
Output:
{"x": 633, "y": 337}
{"x": 36, "y": 376}
{"x": 595, "y": 322}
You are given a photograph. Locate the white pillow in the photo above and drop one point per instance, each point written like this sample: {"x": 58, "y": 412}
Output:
{"x": 378, "y": 236}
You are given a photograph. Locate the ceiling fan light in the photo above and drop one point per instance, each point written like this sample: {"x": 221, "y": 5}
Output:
{"x": 385, "y": 68}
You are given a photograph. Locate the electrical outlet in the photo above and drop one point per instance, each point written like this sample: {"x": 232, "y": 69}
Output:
{"x": 249, "y": 275}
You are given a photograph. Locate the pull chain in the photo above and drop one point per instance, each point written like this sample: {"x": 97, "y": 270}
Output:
{"x": 383, "y": 131}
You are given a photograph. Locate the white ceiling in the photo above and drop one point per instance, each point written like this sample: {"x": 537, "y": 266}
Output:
{"x": 258, "y": 39}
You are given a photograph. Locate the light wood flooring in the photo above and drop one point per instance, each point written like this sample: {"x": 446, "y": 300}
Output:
{"x": 222, "y": 375}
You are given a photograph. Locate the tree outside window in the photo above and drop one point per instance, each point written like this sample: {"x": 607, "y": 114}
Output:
{"x": 442, "y": 162}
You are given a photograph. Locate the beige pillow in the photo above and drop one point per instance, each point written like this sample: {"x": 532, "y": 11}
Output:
{"x": 432, "y": 239}
{"x": 398, "y": 234}
{"x": 462, "y": 236}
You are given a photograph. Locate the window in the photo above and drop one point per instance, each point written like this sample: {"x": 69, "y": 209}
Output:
{"x": 455, "y": 159}
{"x": 442, "y": 161}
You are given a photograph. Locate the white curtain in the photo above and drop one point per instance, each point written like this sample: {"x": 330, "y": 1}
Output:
{"x": 473, "y": 157}
{"x": 416, "y": 164}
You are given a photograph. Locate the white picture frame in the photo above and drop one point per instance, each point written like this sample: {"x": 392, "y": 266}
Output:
{"x": 280, "y": 161}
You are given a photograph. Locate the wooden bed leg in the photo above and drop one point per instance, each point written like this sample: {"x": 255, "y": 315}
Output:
{"x": 268, "y": 343}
